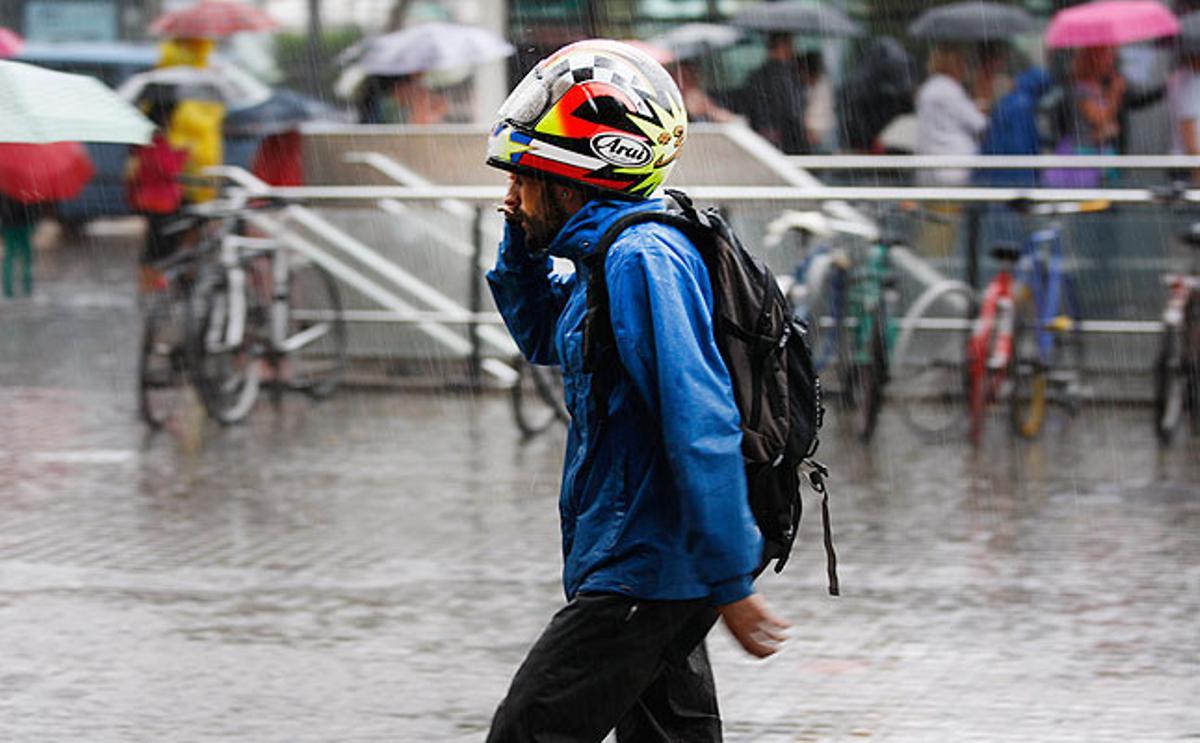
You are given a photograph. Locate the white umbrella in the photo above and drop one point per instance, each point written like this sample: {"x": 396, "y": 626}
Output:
{"x": 431, "y": 46}
{"x": 40, "y": 105}
{"x": 222, "y": 83}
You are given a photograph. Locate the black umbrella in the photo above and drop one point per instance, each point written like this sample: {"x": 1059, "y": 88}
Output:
{"x": 972, "y": 21}
{"x": 797, "y": 17}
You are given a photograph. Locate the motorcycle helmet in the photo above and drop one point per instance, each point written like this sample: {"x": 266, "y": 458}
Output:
{"x": 598, "y": 113}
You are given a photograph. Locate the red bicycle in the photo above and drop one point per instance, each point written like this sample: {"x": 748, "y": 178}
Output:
{"x": 990, "y": 346}
{"x": 1025, "y": 345}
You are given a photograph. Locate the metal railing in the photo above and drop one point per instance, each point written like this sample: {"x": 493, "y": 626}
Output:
{"x": 471, "y": 201}
{"x": 994, "y": 162}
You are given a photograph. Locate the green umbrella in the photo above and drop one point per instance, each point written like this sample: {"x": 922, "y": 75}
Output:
{"x": 40, "y": 105}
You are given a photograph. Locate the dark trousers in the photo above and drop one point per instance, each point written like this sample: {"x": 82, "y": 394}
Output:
{"x": 159, "y": 244}
{"x": 608, "y": 662}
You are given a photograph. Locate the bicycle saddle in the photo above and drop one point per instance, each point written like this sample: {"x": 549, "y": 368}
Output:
{"x": 1191, "y": 236}
{"x": 1005, "y": 252}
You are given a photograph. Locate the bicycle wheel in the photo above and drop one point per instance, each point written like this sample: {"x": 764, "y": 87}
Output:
{"x": 1064, "y": 366}
{"x": 162, "y": 364}
{"x": 1191, "y": 361}
{"x": 315, "y": 347}
{"x": 1028, "y": 380}
{"x": 226, "y": 374}
{"x": 537, "y": 398}
{"x": 1169, "y": 387}
{"x": 929, "y": 369}
{"x": 862, "y": 360}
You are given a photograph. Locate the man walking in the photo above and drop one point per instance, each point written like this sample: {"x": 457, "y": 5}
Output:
{"x": 658, "y": 537}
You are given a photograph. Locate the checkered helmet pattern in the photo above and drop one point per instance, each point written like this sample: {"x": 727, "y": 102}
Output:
{"x": 597, "y": 112}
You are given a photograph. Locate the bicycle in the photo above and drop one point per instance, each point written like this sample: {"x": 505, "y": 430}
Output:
{"x": 816, "y": 286}
{"x": 1026, "y": 342}
{"x": 163, "y": 374}
{"x": 850, "y": 309}
{"x": 537, "y": 398}
{"x": 257, "y": 306}
{"x": 1177, "y": 364}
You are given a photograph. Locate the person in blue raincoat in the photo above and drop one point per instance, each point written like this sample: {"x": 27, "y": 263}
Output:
{"x": 1013, "y": 129}
{"x": 658, "y": 539}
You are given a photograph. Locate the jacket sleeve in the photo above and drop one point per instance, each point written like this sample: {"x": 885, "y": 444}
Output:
{"x": 529, "y": 295}
{"x": 660, "y": 300}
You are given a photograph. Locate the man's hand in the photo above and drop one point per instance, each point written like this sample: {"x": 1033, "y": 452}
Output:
{"x": 752, "y": 624}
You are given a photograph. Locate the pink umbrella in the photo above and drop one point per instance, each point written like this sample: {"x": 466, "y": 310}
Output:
{"x": 1111, "y": 23}
{"x": 210, "y": 19}
{"x": 10, "y": 43}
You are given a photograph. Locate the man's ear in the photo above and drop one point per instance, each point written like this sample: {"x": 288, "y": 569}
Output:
{"x": 572, "y": 199}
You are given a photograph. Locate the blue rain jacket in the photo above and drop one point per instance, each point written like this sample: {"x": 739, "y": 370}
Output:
{"x": 661, "y": 511}
{"x": 1013, "y": 130}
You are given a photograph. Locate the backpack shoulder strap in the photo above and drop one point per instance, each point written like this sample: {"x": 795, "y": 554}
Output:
{"x": 599, "y": 343}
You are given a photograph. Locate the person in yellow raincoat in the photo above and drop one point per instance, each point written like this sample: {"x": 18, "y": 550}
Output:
{"x": 195, "y": 125}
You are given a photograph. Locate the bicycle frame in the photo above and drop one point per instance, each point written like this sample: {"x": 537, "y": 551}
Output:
{"x": 870, "y": 290}
{"x": 1040, "y": 269}
{"x": 997, "y": 315}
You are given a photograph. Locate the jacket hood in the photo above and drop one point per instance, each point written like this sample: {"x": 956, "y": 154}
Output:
{"x": 578, "y": 237}
{"x": 1034, "y": 82}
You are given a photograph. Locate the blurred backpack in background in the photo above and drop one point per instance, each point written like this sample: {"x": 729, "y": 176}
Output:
{"x": 879, "y": 87}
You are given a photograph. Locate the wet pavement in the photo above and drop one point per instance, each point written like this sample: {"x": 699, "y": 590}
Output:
{"x": 374, "y": 567}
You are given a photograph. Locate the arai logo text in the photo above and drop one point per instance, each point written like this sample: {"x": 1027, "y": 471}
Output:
{"x": 620, "y": 149}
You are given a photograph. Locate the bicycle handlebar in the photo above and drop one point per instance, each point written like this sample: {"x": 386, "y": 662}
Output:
{"x": 1025, "y": 205}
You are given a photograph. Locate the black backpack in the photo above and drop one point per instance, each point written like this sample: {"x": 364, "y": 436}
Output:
{"x": 775, "y": 384}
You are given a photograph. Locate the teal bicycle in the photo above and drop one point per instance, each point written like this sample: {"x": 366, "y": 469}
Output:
{"x": 868, "y": 328}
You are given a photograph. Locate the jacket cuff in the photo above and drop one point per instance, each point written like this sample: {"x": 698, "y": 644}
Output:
{"x": 513, "y": 253}
{"x": 734, "y": 589}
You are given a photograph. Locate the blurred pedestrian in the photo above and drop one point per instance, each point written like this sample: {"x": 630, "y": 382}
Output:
{"x": 876, "y": 90}
{"x": 773, "y": 97}
{"x": 1184, "y": 97}
{"x": 989, "y": 79}
{"x": 1092, "y": 116}
{"x": 1013, "y": 129}
{"x": 701, "y": 107}
{"x": 948, "y": 122}
{"x": 371, "y": 99}
{"x": 17, "y": 221}
{"x": 418, "y": 103}
{"x": 153, "y": 185}
{"x": 819, "y": 119}
{"x": 658, "y": 537}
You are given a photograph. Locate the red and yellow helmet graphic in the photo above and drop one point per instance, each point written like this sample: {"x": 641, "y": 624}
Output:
{"x": 598, "y": 112}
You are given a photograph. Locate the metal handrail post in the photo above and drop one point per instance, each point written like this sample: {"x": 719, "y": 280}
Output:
{"x": 476, "y": 293}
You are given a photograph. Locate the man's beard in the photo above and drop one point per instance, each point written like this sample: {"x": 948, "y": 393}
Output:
{"x": 541, "y": 230}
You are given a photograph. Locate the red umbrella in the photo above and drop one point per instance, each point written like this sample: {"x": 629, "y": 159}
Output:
{"x": 10, "y": 43}
{"x": 33, "y": 173}
{"x": 211, "y": 19}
